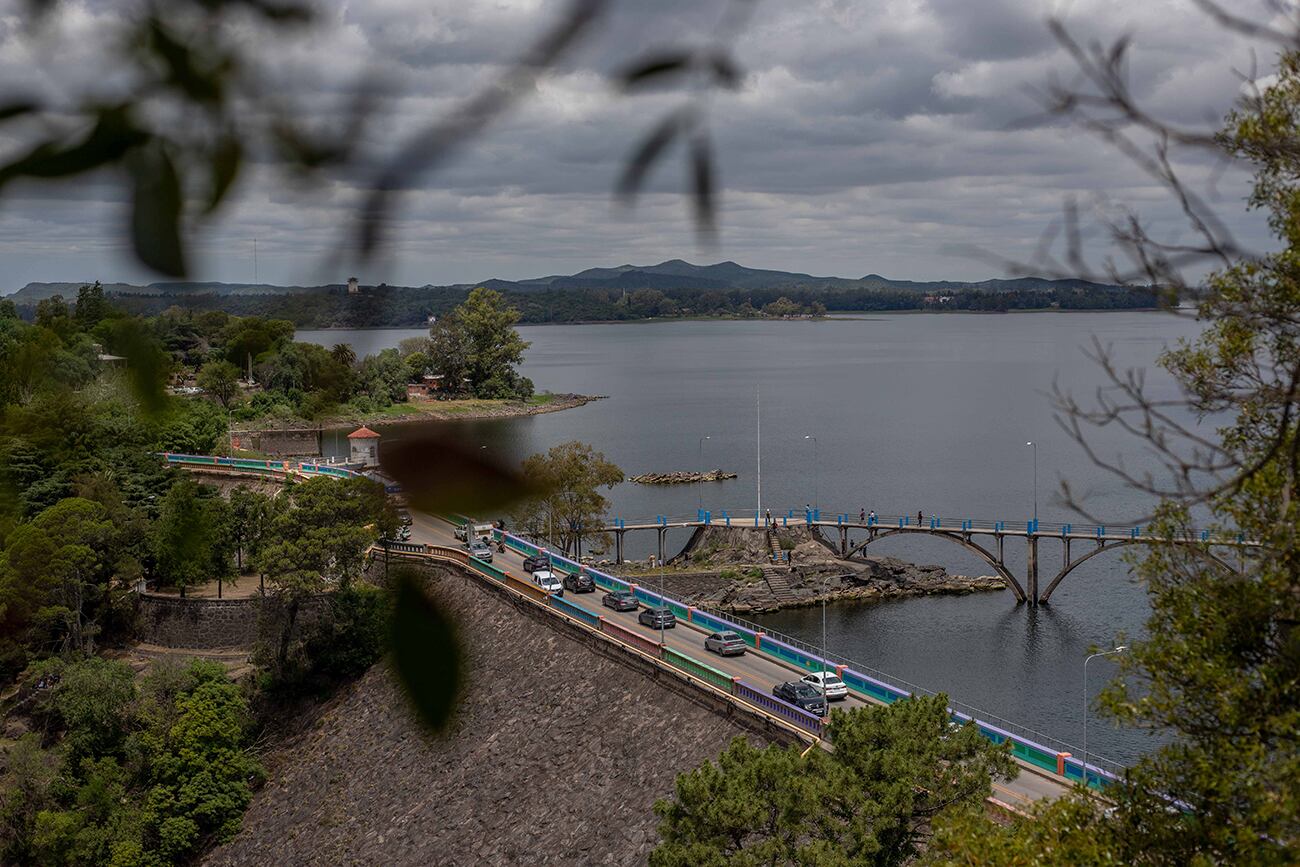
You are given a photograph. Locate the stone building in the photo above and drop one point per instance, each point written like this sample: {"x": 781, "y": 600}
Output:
{"x": 364, "y": 447}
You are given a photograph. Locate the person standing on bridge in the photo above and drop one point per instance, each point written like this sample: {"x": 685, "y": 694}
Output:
{"x": 862, "y": 516}
{"x": 872, "y": 516}
{"x": 768, "y": 519}
{"x": 919, "y": 518}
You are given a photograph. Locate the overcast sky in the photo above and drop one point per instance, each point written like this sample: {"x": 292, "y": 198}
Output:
{"x": 868, "y": 136}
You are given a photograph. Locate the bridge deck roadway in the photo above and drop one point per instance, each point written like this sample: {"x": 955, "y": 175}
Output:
{"x": 883, "y": 527}
{"x": 760, "y": 671}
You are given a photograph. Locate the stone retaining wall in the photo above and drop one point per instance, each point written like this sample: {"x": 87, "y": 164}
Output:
{"x": 170, "y": 621}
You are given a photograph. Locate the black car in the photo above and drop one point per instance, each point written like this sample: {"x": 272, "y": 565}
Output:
{"x": 657, "y": 618}
{"x": 579, "y": 582}
{"x": 405, "y": 517}
{"x": 801, "y": 695}
{"x": 620, "y": 600}
{"x": 537, "y": 563}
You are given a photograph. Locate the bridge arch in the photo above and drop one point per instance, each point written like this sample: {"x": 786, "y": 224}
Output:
{"x": 1079, "y": 561}
{"x": 978, "y": 550}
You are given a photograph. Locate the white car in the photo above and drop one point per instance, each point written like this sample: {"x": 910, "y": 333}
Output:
{"x": 831, "y": 684}
{"x": 548, "y": 581}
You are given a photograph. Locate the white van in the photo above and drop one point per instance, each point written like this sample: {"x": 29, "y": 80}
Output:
{"x": 547, "y": 580}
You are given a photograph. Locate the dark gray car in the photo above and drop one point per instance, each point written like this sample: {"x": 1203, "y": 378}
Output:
{"x": 801, "y": 695}
{"x": 725, "y": 644}
{"x": 620, "y": 600}
{"x": 480, "y": 551}
{"x": 658, "y": 618}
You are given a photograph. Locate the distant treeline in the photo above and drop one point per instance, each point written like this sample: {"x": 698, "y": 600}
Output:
{"x": 384, "y": 306}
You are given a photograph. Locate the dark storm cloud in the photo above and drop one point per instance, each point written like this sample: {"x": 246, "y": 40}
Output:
{"x": 866, "y": 136}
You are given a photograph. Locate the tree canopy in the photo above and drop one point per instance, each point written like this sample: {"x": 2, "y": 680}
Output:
{"x": 869, "y": 802}
{"x": 570, "y": 475}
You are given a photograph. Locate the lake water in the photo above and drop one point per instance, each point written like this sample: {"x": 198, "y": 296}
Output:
{"x": 924, "y": 412}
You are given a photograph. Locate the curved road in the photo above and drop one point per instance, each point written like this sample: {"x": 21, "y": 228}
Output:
{"x": 758, "y": 670}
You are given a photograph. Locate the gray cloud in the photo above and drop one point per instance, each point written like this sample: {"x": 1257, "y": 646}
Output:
{"x": 867, "y": 137}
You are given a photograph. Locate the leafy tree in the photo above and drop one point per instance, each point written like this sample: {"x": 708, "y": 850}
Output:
{"x": 571, "y": 475}
{"x": 383, "y": 377}
{"x": 250, "y": 513}
{"x": 893, "y": 770}
{"x": 782, "y": 307}
{"x": 1218, "y": 672}
{"x": 221, "y": 380}
{"x": 56, "y": 574}
{"x": 202, "y": 774}
{"x": 91, "y": 307}
{"x": 319, "y": 542}
{"x": 478, "y": 342}
{"x": 248, "y": 338}
{"x": 94, "y": 699}
{"x": 193, "y": 542}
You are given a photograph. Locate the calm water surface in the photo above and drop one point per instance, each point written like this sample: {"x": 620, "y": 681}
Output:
{"x": 910, "y": 412}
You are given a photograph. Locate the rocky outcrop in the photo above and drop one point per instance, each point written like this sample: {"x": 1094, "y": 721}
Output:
{"x": 731, "y": 568}
{"x": 681, "y": 477}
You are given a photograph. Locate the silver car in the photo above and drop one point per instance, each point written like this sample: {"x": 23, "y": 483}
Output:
{"x": 725, "y": 644}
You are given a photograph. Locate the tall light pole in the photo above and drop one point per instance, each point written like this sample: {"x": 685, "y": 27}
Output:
{"x": 1035, "y": 446}
{"x": 825, "y": 699}
{"x": 817, "y": 501}
{"x": 1120, "y": 649}
{"x": 700, "y": 483}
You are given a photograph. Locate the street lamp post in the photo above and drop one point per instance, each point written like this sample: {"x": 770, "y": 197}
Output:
{"x": 1035, "y": 446}
{"x": 700, "y": 483}
{"x": 1120, "y": 649}
{"x": 825, "y": 698}
{"x": 817, "y": 502}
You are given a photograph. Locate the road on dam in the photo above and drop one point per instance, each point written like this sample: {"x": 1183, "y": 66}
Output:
{"x": 761, "y": 671}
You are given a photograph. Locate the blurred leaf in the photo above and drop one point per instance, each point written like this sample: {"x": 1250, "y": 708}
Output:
{"x": 288, "y": 13}
{"x": 17, "y": 108}
{"x": 226, "y": 159}
{"x": 426, "y": 653}
{"x": 439, "y": 474}
{"x": 650, "y": 149}
{"x": 202, "y": 86}
{"x": 147, "y": 363}
{"x": 725, "y": 70}
{"x": 702, "y": 180}
{"x": 113, "y": 134}
{"x": 156, "y": 211}
{"x": 653, "y": 69}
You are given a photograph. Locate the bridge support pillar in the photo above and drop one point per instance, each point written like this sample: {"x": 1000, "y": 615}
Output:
{"x": 844, "y": 541}
{"x": 618, "y": 546}
{"x": 1031, "y": 579}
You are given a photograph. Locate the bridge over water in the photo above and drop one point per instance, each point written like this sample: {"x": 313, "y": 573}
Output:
{"x": 848, "y": 535}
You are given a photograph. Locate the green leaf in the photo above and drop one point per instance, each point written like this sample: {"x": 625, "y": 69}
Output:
{"x": 156, "y": 211}
{"x": 426, "y": 653}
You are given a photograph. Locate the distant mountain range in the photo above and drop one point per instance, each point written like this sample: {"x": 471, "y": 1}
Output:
{"x": 673, "y": 274}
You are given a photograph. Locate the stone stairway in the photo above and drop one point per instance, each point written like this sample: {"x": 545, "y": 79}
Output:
{"x": 773, "y": 546}
{"x": 779, "y": 585}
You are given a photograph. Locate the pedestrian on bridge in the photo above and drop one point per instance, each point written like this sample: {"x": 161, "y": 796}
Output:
{"x": 862, "y": 516}
{"x": 768, "y": 519}
{"x": 920, "y": 519}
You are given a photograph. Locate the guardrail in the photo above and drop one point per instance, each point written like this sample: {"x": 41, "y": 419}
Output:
{"x": 259, "y": 466}
{"x": 919, "y": 521}
{"x": 1027, "y": 745}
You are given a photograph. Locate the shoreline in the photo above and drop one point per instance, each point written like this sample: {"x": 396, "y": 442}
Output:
{"x": 467, "y": 410}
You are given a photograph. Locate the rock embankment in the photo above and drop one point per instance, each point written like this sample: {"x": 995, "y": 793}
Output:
{"x": 731, "y": 568}
{"x": 556, "y": 756}
{"x": 681, "y": 477}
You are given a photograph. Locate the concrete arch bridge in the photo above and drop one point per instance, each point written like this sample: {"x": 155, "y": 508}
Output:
{"x": 847, "y": 536}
